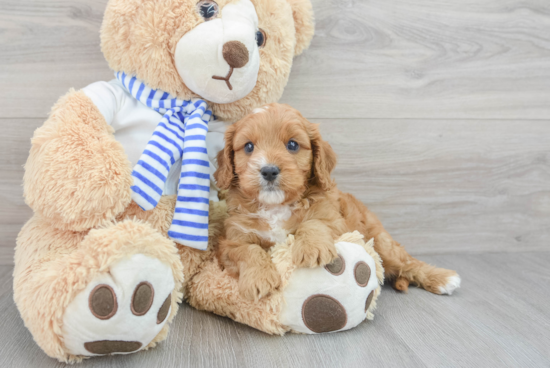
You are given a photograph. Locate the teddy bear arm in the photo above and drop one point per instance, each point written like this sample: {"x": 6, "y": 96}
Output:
{"x": 77, "y": 176}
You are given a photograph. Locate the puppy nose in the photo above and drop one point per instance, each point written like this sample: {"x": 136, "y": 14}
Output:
{"x": 270, "y": 173}
{"x": 235, "y": 53}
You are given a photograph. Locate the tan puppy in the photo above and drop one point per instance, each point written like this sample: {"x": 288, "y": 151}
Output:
{"x": 277, "y": 169}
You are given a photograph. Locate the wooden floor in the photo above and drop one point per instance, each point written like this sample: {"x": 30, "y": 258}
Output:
{"x": 440, "y": 114}
{"x": 498, "y": 319}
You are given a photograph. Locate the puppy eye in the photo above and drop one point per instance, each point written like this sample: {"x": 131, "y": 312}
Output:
{"x": 261, "y": 38}
{"x": 207, "y": 9}
{"x": 249, "y": 147}
{"x": 292, "y": 146}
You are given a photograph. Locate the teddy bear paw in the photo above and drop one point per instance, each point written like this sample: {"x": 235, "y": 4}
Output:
{"x": 332, "y": 298}
{"x": 120, "y": 311}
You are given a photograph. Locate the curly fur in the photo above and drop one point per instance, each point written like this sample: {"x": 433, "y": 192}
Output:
{"x": 319, "y": 212}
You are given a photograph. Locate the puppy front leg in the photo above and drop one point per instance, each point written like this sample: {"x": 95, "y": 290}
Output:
{"x": 314, "y": 245}
{"x": 257, "y": 275}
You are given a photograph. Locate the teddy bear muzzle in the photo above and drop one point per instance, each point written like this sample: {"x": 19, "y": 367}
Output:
{"x": 219, "y": 59}
{"x": 236, "y": 55}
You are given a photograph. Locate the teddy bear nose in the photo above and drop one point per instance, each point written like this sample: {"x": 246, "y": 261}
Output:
{"x": 235, "y": 53}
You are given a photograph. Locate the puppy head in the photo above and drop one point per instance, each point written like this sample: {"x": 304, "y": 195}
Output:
{"x": 274, "y": 155}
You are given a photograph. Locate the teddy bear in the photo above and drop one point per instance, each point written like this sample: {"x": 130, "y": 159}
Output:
{"x": 103, "y": 263}
{"x": 127, "y": 215}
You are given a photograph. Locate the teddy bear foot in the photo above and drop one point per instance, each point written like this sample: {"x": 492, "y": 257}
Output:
{"x": 120, "y": 311}
{"x": 335, "y": 297}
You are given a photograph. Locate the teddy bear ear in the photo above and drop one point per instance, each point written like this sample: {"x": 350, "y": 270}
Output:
{"x": 303, "y": 21}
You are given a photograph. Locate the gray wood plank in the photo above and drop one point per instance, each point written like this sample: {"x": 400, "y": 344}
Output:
{"x": 378, "y": 59}
{"x": 5, "y": 280}
{"x": 426, "y": 59}
{"x": 439, "y": 186}
{"x": 47, "y": 47}
{"x": 497, "y": 319}
{"x": 493, "y": 325}
{"x": 14, "y": 212}
{"x": 449, "y": 185}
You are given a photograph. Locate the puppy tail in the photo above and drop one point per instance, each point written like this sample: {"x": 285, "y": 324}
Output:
{"x": 404, "y": 269}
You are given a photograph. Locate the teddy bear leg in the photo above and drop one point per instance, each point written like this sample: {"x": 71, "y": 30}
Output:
{"x": 111, "y": 293}
{"x": 102, "y": 319}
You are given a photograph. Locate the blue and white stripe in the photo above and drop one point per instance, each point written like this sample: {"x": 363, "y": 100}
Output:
{"x": 180, "y": 134}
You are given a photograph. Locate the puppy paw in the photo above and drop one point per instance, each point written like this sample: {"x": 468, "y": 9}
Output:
{"x": 307, "y": 253}
{"x": 442, "y": 281}
{"x": 452, "y": 283}
{"x": 401, "y": 284}
{"x": 257, "y": 282}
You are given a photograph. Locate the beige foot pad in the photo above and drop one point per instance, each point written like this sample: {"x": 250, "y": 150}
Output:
{"x": 335, "y": 297}
{"x": 120, "y": 311}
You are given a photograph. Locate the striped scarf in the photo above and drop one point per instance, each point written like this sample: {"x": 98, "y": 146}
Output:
{"x": 180, "y": 134}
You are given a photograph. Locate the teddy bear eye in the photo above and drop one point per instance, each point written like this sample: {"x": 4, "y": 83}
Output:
{"x": 292, "y": 146}
{"x": 249, "y": 147}
{"x": 261, "y": 38}
{"x": 207, "y": 9}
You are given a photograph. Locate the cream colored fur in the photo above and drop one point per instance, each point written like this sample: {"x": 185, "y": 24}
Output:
{"x": 77, "y": 177}
{"x": 52, "y": 266}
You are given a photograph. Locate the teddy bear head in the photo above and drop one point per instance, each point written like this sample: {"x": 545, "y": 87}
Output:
{"x": 236, "y": 54}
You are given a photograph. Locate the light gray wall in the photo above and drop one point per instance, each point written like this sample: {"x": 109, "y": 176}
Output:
{"x": 439, "y": 111}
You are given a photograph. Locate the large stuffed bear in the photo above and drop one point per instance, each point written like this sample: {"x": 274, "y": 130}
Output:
{"x": 99, "y": 268}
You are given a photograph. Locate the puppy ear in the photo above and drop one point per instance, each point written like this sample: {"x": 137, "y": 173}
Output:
{"x": 303, "y": 23}
{"x": 226, "y": 172}
{"x": 324, "y": 159}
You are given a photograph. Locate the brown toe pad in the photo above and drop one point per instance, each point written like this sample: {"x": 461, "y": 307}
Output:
{"x": 142, "y": 299}
{"x": 105, "y": 347}
{"x": 164, "y": 309}
{"x": 369, "y": 300}
{"x": 102, "y": 302}
{"x": 362, "y": 273}
{"x": 323, "y": 313}
{"x": 337, "y": 266}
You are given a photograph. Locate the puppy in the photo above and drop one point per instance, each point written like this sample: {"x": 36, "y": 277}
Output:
{"x": 277, "y": 171}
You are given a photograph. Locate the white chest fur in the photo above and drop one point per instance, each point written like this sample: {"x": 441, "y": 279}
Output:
{"x": 275, "y": 216}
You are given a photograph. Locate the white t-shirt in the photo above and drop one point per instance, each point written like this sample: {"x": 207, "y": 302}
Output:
{"x": 134, "y": 123}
